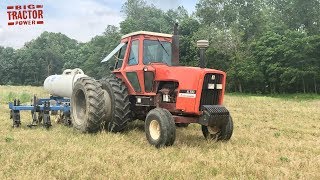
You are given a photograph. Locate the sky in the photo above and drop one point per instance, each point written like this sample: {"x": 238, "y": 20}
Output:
{"x": 78, "y": 19}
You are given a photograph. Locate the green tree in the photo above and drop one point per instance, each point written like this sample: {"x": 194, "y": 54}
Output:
{"x": 8, "y": 66}
{"x": 297, "y": 14}
{"x": 242, "y": 16}
{"x": 141, "y": 16}
{"x": 93, "y": 52}
{"x": 43, "y": 56}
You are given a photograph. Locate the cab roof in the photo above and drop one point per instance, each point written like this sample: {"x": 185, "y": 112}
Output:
{"x": 147, "y": 33}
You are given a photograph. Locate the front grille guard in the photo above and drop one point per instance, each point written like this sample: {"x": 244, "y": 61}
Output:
{"x": 214, "y": 115}
{"x": 211, "y": 96}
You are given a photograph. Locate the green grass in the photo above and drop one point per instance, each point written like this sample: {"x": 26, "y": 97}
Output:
{"x": 23, "y": 93}
{"x": 274, "y": 138}
{"x": 290, "y": 97}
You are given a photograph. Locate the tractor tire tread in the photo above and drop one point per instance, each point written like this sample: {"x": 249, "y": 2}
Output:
{"x": 168, "y": 127}
{"x": 95, "y": 115}
{"x": 120, "y": 104}
{"x": 226, "y": 132}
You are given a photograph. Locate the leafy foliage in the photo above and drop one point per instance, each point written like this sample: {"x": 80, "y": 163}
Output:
{"x": 265, "y": 46}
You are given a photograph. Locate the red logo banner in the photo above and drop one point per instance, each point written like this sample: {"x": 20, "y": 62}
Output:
{"x": 25, "y": 14}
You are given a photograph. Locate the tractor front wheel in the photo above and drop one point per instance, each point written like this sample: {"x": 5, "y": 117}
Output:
{"x": 160, "y": 128}
{"x": 223, "y": 133}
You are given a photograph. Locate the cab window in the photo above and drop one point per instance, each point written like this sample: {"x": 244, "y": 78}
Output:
{"x": 134, "y": 53}
{"x": 121, "y": 55}
{"x": 156, "y": 51}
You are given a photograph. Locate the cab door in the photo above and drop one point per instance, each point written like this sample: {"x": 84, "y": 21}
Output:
{"x": 132, "y": 69}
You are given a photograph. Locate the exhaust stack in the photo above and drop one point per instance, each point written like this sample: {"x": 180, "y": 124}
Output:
{"x": 202, "y": 45}
{"x": 175, "y": 46}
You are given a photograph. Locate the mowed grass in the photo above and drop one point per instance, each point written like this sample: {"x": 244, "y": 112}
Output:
{"x": 274, "y": 138}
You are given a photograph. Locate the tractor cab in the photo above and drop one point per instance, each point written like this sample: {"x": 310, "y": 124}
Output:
{"x": 137, "y": 57}
{"x": 142, "y": 48}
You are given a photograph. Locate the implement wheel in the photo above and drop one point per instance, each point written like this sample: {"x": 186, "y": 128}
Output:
{"x": 223, "y": 133}
{"x": 160, "y": 128}
{"x": 87, "y": 102}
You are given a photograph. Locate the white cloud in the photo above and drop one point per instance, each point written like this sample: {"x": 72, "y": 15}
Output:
{"x": 16, "y": 36}
{"x": 165, "y": 4}
{"x": 189, "y": 5}
{"x": 80, "y": 20}
{"x": 87, "y": 19}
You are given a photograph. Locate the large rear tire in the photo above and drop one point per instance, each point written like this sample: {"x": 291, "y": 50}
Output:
{"x": 218, "y": 133}
{"x": 87, "y": 102}
{"x": 117, "y": 105}
{"x": 160, "y": 128}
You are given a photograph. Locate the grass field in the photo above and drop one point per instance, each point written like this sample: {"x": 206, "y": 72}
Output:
{"x": 274, "y": 138}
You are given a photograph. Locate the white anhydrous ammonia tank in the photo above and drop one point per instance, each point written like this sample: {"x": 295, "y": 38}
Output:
{"x": 61, "y": 85}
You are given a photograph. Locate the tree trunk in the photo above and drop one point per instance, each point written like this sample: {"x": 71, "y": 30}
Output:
{"x": 304, "y": 86}
{"x": 240, "y": 87}
{"x": 315, "y": 84}
{"x": 48, "y": 69}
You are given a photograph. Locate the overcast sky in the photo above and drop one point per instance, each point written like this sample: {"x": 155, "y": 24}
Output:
{"x": 78, "y": 19}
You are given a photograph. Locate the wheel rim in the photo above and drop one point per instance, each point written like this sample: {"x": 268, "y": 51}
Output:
{"x": 211, "y": 132}
{"x": 108, "y": 104}
{"x": 154, "y": 129}
{"x": 213, "y": 129}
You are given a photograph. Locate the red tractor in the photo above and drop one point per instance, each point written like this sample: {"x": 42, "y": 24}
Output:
{"x": 147, "y": 83}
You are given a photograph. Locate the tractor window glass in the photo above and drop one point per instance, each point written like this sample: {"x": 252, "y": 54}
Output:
{"x": 134, "y": 53}
{"x": 121, "y": 55}
{"x": 156, "y": 52}
{"x": 133, "y": 78}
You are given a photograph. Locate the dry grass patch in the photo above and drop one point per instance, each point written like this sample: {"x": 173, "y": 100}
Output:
{"x": 273, "y": 138}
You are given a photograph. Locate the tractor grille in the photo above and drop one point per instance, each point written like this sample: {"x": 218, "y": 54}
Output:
{"x": 211, "y": 96}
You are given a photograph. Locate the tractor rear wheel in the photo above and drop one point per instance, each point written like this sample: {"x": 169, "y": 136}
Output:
{"x": 218, "y": 133}
{"x": 160, "y": 128}
{"x": 117, "y": 104}
{"x": 87, "y": 101}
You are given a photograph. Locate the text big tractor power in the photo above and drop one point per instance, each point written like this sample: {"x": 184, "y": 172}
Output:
{"x": 148, "y": 84}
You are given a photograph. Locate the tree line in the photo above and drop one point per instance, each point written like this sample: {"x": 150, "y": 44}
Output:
{"x": 265, "y": 46}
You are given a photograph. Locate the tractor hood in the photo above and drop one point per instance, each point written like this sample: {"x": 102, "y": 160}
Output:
{"x": 186, "y": 76}
{"x": 192, "y": 82}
